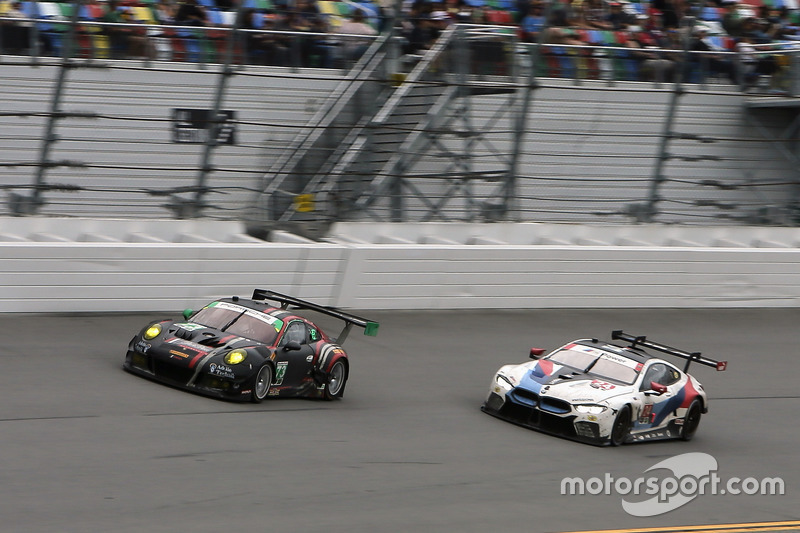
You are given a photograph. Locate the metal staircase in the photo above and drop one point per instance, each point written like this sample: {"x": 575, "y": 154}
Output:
{"x": 357, "y": 157}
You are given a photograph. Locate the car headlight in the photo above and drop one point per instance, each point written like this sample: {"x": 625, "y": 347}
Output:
{"x": 504, "y": 382}
{"x": 590, "y": 409}
{"x": 152, "y": 332}
{"x": 235, "y": 357}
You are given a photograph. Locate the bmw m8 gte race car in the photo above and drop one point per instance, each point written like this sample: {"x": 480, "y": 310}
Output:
{"x": 603, "y": 393}
{"x": 247, "y": 349}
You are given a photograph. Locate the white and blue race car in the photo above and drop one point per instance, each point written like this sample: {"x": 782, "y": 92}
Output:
{"x": 603, "y": 393}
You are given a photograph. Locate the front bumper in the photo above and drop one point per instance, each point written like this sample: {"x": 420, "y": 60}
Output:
{"x": 533, "y": 417}
{"x": 199, "y": 382}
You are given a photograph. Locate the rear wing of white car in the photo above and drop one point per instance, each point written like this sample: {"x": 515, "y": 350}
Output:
{"x": 370, "y": 326}
{"x": 689, "y": 357}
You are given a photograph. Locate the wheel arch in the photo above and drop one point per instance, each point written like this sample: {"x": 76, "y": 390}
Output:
{"x": 343, "y": 358}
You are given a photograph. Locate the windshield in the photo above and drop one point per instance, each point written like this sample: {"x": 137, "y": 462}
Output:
{"x": 238, "y": 320}
{"x": 575, "y": 357}
{"x": 616, "y": 368}
{"x": 597, "y": 362}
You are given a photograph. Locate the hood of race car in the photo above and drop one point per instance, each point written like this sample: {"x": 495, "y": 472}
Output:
{"x": 187, "y": 341}
{"x": 545, "y": 378}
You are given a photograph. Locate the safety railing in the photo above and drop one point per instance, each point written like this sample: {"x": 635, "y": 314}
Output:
{"x": 772, "y": 67}
{"x": 38, "y": 38}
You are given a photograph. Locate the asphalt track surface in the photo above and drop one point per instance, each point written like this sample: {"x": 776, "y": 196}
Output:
{"x": 86, "y": 447}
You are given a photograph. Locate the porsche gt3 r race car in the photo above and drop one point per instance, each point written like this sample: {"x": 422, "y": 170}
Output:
{"x": 603, "y": 393}
{"x": 247, "y": 349}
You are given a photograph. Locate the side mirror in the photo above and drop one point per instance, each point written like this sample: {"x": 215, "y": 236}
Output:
{"x": 291, "y": 346}
{"x": 656, "y": 389}
{"x": 536, "y": 353}
{"x": 187, "y": 313}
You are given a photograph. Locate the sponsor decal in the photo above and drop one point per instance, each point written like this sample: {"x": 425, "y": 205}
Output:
{"x": 280, "y": 372}
{"x": 591, "y": 418}
{"x": 221, "y": 370}
{"x": 647, "y": 415}
{"x": 650, "y": 435}
{"x": 630, "y": 363}
{"x": 190, "y": 326}
{"x": 309, "y": 358}
{"x": 602, "y": 385}
{"x": 582, "y": 400}
{"x": 175, "y": 353}
{"x": 199, "y": 348}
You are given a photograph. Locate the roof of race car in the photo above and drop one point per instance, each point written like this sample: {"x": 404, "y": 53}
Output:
{"x": 636, "y": 354}
{"x": 265, "y": 308}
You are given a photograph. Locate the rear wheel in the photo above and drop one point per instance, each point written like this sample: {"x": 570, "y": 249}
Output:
{"x": 337, "y": 377}
{"x": 622, "y": 427}
{"x": 261, "y": 384}
{"x": 691, "y": 421}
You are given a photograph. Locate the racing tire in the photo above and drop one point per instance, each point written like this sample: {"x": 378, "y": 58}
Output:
{"x": 691, "y": 421}
{"x": 261, "y": 383}
{"x": 336, "y": 380}
{"x": 621, "y": 428}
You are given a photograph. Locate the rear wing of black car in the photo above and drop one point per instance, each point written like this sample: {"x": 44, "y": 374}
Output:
{"x": 689, "y": 357}
{"x": 370, "y": 326}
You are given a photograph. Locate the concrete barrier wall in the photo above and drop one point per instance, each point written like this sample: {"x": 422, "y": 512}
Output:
{"x": 172, "y": 265}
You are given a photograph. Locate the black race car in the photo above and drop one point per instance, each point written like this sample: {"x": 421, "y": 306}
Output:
{"x": 247, "y": 349}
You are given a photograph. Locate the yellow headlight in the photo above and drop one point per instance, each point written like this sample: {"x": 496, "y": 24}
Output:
{"x": 235, "y": 357}
{"x": 152, "y": 332}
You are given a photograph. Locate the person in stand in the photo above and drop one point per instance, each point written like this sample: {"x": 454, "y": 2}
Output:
{"x": 532, "y": 23}
{"x": 165, "y": 12}
{"x": 117, "y": 33}
{"x": 353, "y": 47}
{"x": 16, "y": 34}
{"x": 706, "y": 58}
{"x": 191, "y": 13}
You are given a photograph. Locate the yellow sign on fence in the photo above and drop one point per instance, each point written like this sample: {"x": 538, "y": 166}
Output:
{"x": 304, "y": 203}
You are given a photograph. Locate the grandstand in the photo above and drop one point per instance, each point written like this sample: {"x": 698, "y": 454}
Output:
{"x": 481, "y": 126}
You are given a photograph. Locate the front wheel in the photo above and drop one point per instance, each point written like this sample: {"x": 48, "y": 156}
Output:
{"x": 691, "y": 421}
{"x": 622, "y": 427}
{"x": 337, "y": 377}
{"x": 261, "y": 384}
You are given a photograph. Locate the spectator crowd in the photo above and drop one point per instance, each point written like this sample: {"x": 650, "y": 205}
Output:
{"x": 644, "y": 38}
